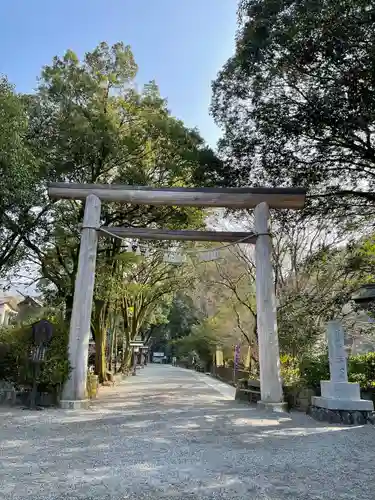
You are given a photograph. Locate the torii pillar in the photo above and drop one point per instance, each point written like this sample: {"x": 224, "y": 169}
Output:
{"x": 271, "y": 390}
{"x": 74, "y": 394}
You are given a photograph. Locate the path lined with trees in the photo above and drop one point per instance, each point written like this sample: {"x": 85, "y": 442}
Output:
{"x": 296, "y": 106}
{"x": 87, "y": 123}
{"x": 169, "y": 433}
{"x": 305, "y": 117}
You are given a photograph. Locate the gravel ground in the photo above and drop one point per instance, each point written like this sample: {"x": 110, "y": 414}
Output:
{"x": 174, "y": 434}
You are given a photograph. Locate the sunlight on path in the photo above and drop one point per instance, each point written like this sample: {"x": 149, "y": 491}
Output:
{"x": 173, "y": 434}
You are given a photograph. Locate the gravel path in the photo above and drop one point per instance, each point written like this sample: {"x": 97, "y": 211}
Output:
{"x": 170, "y": 433}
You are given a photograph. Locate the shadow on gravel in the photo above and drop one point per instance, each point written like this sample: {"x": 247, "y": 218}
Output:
{"x": 184, "y": 441}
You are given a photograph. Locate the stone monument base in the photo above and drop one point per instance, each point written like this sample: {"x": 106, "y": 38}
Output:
{"x": 340, "y": 390}
{"x": 275, "y": 407}
{"x": 340, "y": 400}
{"x": 342, "y": 404}
{"x": 74, "y": 405}
{"x": 346, "y": 417}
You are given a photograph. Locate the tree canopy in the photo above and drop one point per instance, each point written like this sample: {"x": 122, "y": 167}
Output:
{"x": 19, "y": 171}
{"x": 90, "y": 122}
{"x": 296, "y": 105}
{"x": 297, "y": 100}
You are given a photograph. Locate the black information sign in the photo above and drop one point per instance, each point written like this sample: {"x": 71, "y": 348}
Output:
{"x": 42, "y": 332}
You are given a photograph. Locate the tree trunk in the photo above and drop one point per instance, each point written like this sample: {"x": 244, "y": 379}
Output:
{"x": 100, "y": 361}
{"x": 100, "y": 328}
{"x": 68, "y": 308}
{"x": 126, "y": 353}
{"x": 111, "y": 362}
{"x": 115, "y": 351}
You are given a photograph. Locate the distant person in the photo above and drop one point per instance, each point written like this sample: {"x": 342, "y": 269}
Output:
{"x": 174, "y": 361}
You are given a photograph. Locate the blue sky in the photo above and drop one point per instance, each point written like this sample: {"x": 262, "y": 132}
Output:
{"x": 180, "y": 43}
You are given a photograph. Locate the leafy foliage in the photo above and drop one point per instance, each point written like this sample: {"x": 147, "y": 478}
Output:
{"x": 88, "y": 123}
{"x": 289, "y": 370}
{"x": 20, "y": 178}
{"x": 297, "y": 100}
{"x": 15, "y": 346}
{"x": 310, "y": 370}
{"x": 361, "y": 369}
{"x": 313, "y": 369}
{"x": 200, "y": 343}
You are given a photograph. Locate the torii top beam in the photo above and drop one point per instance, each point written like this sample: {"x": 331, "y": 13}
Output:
{"x": 240, "y": 198}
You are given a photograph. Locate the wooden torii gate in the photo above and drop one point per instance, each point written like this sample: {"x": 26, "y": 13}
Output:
{"x": 74, "y": 392}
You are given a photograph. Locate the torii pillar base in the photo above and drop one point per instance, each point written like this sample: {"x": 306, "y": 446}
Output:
{"x": 275, "y": 407}
{"x": 82, "y": 404}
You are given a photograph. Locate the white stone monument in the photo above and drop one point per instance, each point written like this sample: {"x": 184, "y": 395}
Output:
{"x": 338, "y": 393}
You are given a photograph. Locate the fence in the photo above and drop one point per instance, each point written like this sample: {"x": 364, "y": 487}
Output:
{"x": 227, "y": 374}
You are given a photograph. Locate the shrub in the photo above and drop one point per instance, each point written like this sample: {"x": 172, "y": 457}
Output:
{"x": 290, "y": 370}
{"x": 15, "y": 367}
{"x": 311, "y": 370}
{"x": 314, "y": 369}
{"x": 361, "y": 369}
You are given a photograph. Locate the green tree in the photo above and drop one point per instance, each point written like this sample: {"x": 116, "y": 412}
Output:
{"x": 147, "y": 293}
{"x": 180, "y": 317}
{"x": 297, "y": 100}
{"x": 90, "y": 124}
{"x": 20, "y": 192}
{"x": 183, "y": 315}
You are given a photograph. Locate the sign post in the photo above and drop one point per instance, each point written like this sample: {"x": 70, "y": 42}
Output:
{"x": 137, "y": 346}
{"x": 237, "y": 350}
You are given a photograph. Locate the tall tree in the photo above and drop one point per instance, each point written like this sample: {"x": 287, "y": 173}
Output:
{"x": 297, "y": 100}
{"x": 20, "y": 193}
{"x": 89, "y": 124}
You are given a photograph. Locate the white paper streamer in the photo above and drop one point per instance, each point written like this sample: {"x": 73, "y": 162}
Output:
{"x": 210, "y": 255}
{"x": 174, "y": 257}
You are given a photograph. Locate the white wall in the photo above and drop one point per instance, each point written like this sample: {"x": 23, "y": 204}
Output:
{"x": 6, "y": 313}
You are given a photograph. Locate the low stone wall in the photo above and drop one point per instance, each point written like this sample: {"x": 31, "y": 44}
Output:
{"x": 226, "y": 374}
{"x": 8, "y": 394}
{"x": 298, "y": 398}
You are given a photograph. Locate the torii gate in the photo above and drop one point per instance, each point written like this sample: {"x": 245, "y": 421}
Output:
{"x": 74, "y": 392}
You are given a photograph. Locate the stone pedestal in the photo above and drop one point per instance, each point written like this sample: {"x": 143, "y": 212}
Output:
{"x": 338, "y": 394}
{"x": 75, "y": 404}
{"x": 341, "y": 396}
{"x": 274, "y": 407}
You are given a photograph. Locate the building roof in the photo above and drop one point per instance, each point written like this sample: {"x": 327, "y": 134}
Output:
{"x": 29, "y": 299}
{"x": 13, "y": 301}
{"x": 10, "y": 302}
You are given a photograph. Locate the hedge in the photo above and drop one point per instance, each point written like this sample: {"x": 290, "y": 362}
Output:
{"x": 310, "y": 371}
{"x": 15, "y": 367}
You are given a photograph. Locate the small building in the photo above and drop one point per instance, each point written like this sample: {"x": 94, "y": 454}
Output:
{"x": 16, "y": 309}
{"x": 8, "y": 310}
{"x": 28, "y": 307}
{"x": 158, "y": 357}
